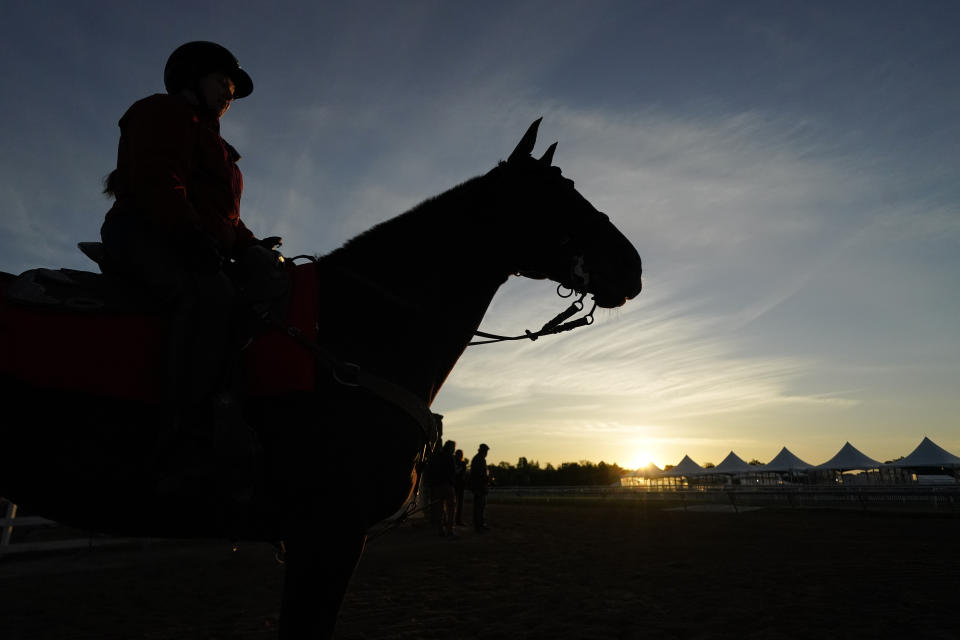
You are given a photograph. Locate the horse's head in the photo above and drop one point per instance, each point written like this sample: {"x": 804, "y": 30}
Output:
{"x": 556, "y": 233}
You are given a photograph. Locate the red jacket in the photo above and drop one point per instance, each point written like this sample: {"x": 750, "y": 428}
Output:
{"x": 175, "y": 169}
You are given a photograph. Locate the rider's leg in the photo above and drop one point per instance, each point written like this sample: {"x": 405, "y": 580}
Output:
{"x": 215, "y": 449}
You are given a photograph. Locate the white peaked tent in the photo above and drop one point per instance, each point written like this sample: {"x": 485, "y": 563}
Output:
{"x": 928, "y": 454}
{"x": 686, "y": 467}
{"x": 784, "y": 462}
{"x": 732, "y": 464}
{"x": 850, "y": 459}
{"x": 649, "y": 471}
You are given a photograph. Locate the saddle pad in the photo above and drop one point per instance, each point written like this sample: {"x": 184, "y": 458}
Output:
{"x": 123, "y": 355}
{"x": 276, "y": 363}
{"x": 72, "y": 291}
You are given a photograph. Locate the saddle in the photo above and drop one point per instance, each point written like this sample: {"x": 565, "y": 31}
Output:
{"x": 80, "y": 292}
{"x": 83, "y": 331}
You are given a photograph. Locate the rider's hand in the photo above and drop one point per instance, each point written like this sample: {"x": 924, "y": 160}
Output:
{"x": 270, "y": 243}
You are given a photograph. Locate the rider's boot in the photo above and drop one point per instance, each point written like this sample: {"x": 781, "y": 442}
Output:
{"x": 238, "y": 455}
{"x": 209, "y": 447}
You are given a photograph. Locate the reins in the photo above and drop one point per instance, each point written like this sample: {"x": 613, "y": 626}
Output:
{"x": 557, "y": 324}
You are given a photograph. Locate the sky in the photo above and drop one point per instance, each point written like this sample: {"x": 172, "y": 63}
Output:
{"x": 787, "y": 170}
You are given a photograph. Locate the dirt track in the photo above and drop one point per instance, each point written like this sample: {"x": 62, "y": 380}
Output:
{"x": 615, "y": 570}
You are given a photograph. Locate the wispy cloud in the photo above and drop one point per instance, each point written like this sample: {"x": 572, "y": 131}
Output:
{"x": 667, "y": 365}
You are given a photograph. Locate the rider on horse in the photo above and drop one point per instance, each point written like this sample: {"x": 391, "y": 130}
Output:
{"x": 175, "y": 227}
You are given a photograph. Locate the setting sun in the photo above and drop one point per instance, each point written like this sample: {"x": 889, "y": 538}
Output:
{"x": 638, "y": 460}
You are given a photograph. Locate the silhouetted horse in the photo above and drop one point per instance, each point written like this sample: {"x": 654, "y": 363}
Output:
{"x": 397, "y": 307}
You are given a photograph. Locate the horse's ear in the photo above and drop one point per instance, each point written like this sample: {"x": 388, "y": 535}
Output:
{"x": 525, "y": 148}
{"x": 547, "y": 158}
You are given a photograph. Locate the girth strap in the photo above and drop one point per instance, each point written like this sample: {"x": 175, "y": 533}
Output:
{"x": 352, "y": 375}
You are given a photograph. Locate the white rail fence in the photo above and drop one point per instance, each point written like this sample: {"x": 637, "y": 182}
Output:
{"x": 10, "y": 544}
{"x": 932, "y": 499}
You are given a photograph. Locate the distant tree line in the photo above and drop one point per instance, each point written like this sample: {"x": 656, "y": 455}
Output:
{"x": 569, "y": 474}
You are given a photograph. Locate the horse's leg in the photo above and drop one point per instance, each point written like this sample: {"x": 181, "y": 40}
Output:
{"x": 318, "y": 569}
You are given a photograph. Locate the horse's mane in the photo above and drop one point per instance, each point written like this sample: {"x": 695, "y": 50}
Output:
{"x": 452, "y": 208}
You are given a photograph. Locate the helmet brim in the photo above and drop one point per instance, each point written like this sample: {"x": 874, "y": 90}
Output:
{"x": 242, "y": 82}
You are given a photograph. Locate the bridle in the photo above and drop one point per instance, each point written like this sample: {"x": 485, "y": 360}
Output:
{"x": 579, "y": 278}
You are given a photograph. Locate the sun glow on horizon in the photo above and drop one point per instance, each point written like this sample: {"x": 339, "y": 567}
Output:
{"x": 639, "y": 459}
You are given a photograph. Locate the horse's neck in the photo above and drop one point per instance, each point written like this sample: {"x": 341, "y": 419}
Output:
{"x": 411, "y": 292}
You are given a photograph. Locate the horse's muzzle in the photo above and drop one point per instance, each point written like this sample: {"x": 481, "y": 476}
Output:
{"x": 615, "y": 270}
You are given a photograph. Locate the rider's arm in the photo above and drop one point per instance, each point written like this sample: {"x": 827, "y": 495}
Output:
{"x": 159, "y": 137}
{"x": 245, "y": 237}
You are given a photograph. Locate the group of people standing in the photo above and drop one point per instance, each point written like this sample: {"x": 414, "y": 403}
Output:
{"x": 447, "y": 478}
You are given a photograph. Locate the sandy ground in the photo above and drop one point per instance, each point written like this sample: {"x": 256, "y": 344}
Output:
{"x": 558, "y": 571}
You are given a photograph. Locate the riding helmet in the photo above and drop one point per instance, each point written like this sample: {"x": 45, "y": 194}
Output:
{"x": 193, "y": 60}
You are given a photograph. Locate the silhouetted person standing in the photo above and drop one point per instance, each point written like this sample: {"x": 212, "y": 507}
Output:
{"x": 459, "y": 483}
{"x": 428, "y": 501}
{"x": 442, "y": 475}
{"x": 480, "y": 486}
